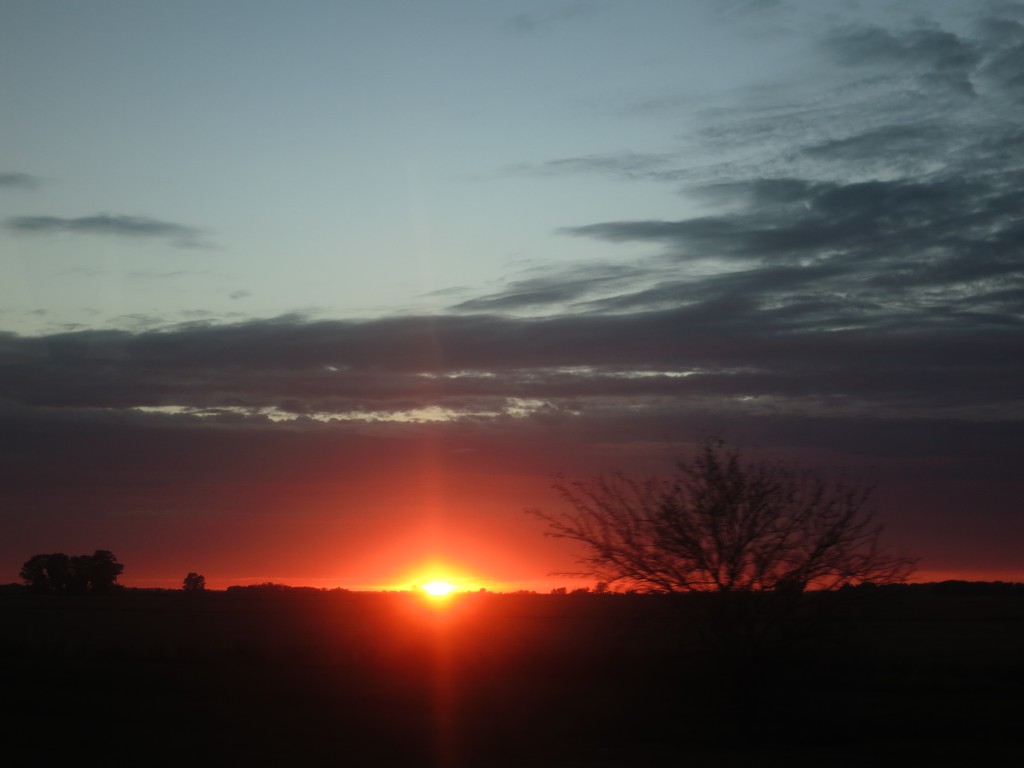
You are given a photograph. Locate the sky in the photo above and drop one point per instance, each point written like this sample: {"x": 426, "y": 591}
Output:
{"x": 327, "y": 293}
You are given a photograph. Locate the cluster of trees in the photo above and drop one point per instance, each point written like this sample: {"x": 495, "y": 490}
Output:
{"x": 60, "y": 574}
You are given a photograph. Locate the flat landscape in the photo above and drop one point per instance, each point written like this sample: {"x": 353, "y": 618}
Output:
{"x": 924, "y": 676}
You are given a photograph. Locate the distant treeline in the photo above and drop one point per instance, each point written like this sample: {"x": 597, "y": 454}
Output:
{"x": 949, "y": 587}
{"x": 271, "y": 588}
{"x": 958, "y": 587}
{"x": 944, "y": 588}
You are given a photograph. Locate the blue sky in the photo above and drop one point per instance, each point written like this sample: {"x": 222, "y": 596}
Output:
{"x": 355, "y": 159}
{"x": 531, "y": 236}
{"x": 332, "y": 158}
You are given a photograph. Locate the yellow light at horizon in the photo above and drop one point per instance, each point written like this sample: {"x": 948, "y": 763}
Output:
{"x": 438, "y": 588}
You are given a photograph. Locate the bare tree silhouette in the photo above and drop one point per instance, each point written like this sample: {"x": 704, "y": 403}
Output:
{"x": 761, "y": 549}
{"x": 722, "y": 524}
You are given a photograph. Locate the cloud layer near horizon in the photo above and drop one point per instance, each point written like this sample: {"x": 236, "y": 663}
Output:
{"x": 723, "y": 349}
{"x": 266, "y": 420}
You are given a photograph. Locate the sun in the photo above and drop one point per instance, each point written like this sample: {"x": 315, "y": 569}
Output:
{"x": 438, "y": 588}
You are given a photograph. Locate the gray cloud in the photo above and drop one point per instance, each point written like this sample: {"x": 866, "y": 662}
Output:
{"x": 15, "y": 180}
{"x": 745, "y": 7}
{"x": 1007, "y": 68}
{"x": 858, "y": 355}
{"x": 907, "y": 146}
{"x": 532, "y": 22}
{"x": 870, "y": 220}
{"x": 108, "y": 224}
{"x": 892, "y": 102}
{"x": 626, "y": 165}
{"x": 940, "y": 55}
{"x": 882, "y": 204}
{"x": 941, "y": 59}
{"x": 548, "y": 290}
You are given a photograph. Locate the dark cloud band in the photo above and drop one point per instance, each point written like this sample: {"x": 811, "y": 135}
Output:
{"x": 107, "y": 224}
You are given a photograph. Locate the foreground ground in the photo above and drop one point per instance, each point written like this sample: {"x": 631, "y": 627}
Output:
{"x": 147, "y": 678}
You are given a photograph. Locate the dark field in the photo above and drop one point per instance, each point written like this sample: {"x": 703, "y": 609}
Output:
{"x": 149, "y": 678}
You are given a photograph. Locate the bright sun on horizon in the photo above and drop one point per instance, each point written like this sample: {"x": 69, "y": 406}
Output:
{"x": 438, "y": 588}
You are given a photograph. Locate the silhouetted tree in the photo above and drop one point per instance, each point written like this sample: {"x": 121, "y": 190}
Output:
{"x": 747, "y": 539}
{"x": 45, "y": 573}
{"x": 33, "y": 573}
{"x": 57, "y": 573}
{"x": 759, "y": 546}
{"x": 78, "y": 574}
{"x": 194, "y": 582}
{"x": 722, "y": 524}
{"x": 103, "y": 571}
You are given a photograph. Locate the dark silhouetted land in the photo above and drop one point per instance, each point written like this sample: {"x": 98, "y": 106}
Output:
{"x": 921, "y": 675}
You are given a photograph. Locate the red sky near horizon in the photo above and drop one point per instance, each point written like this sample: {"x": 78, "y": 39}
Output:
{"x": 329, "y": 507}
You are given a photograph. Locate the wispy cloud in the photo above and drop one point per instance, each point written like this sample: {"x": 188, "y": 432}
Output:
{"x": 938, "y": 58}
{"x": 534, "y": 21}
{"x": 15, "y": 180}
{"x": 178, "y": 235}
{"x": 743, "y": 7}
{"x": 625, "y": 165}
{"x": 552, "y": 290}
{"x": 888, "y": 198}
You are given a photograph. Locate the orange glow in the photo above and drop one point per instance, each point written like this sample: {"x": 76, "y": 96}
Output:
{"x": 438, "y": 588}
{"x": 438, "y": 577}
